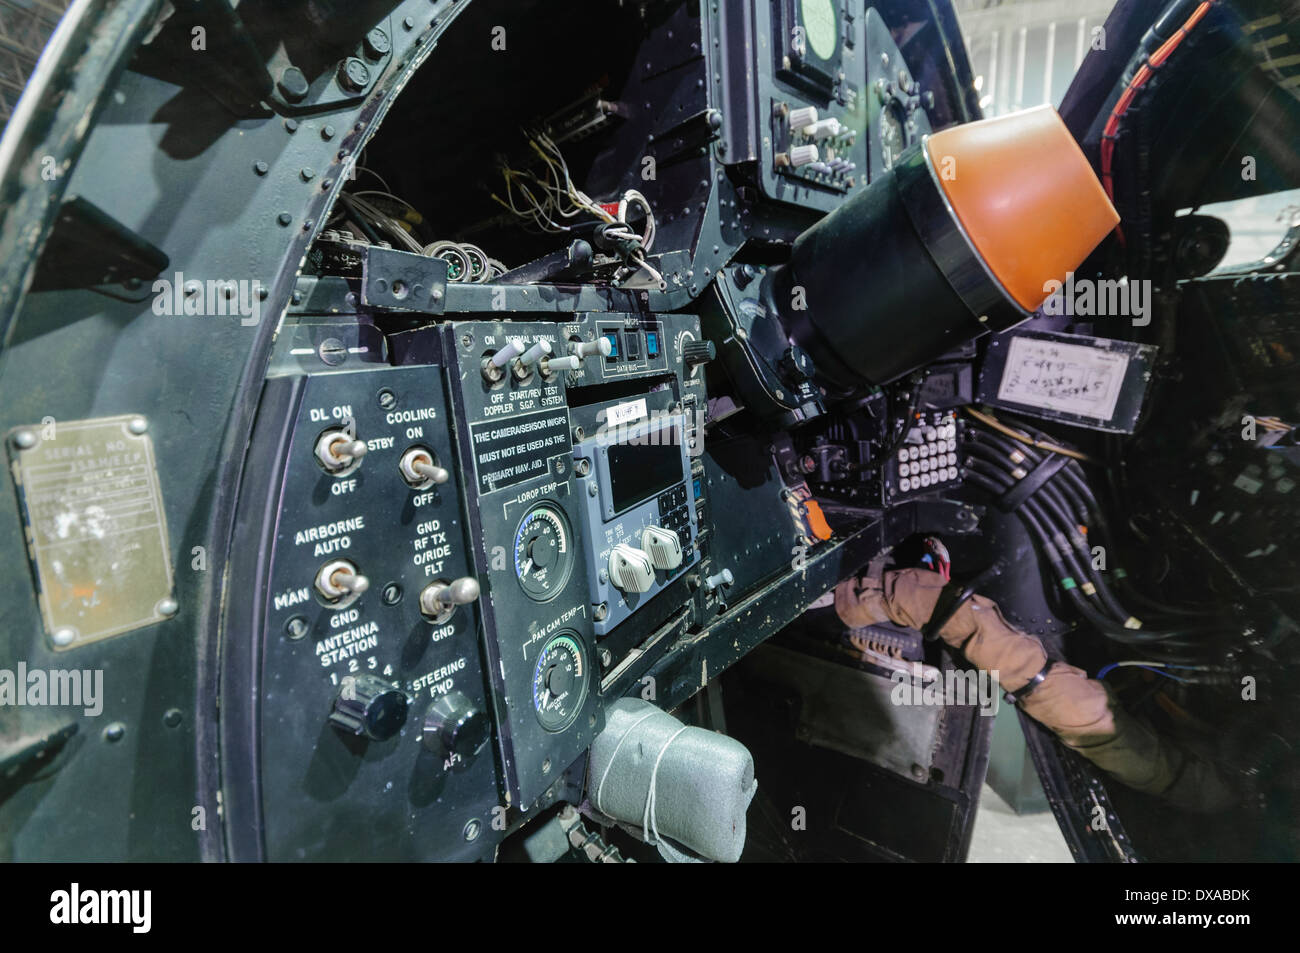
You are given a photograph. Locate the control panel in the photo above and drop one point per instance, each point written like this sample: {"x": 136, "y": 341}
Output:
{"x": 837, "y": 102}
{"x": 575, "y": 449}
{"x": 639, "y": 508}
{"x": 370, "y": 658}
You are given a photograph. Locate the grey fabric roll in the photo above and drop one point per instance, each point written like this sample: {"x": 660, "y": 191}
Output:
{"x": 702, "y": 784}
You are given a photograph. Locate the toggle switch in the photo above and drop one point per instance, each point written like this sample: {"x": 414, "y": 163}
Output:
{"x": 494, "y": 367}
{"x": 560, "y": 365}
{"x": 663, "y": 546}
{"x": 439, "y": 599}
{"x": 339, "y": 451}
{"x": 339, "y": 581}
{"x": 602, "y": 346}
{"x": 723, "y": 578}
{"x": 630, "y": 569}
{"x": 420, "y": 470}
{"x": 823, "y": 129}
{"x": 523, "y": 367}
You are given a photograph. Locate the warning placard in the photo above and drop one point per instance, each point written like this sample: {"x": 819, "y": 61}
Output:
{"x": 507, "y": 452}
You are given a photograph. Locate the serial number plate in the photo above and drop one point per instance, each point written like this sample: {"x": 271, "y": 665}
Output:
{"x": 96, "y": 531}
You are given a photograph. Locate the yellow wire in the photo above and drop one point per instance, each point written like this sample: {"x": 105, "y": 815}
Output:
{"x": 991, "y": 421}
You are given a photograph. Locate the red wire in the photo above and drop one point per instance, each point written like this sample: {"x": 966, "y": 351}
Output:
{"x": 1154, "y": 61}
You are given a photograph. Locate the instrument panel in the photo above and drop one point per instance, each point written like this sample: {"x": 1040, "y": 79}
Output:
{"x": 840, "y": 102}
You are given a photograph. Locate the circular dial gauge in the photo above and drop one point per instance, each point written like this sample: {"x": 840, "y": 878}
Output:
{"x": 543, "y": 552}
{"x": 893, "y": 139}
{"x": 559, "y": 683}
{"x": 818, "y": 18}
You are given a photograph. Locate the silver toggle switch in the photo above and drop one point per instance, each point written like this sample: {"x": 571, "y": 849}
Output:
{"x": 339, "y": 579}
{"x": 338, "y": 450}
{"x": 439, "y": 599}
{"x": 419, "y": 470}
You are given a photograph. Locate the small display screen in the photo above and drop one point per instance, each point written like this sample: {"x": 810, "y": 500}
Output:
{"x": 638, "y": 471}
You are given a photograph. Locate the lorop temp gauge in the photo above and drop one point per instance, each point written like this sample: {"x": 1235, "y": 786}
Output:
{"x": 559, "y": 682}
{"x": 543, "y": 552}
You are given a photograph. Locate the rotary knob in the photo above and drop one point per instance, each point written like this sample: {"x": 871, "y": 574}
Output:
{"x": 663, "y": 546}
{"x": 630, "y": 569}
{"x": 367, "y": 705}
{"x": 453, "y": 727}
{"x": 796, "y": 366}
{"x": 698, "y": 352}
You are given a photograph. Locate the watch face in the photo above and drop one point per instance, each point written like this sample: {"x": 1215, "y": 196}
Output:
{"x": 818, "y": 20}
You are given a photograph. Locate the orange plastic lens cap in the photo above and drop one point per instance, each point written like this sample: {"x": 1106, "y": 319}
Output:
{"x": 1025, "y": 195}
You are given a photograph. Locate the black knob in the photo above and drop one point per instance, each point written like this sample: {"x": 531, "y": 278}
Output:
{"x": 453, "y": 726}
{"x": 368, "y": 705}
{"x": 796, "y": 366}
{"x": 698, "y": 352}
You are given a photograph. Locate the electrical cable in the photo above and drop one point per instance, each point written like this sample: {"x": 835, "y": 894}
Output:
{"x": 1036, "y": 521}
{"x": 1145, "y": 71}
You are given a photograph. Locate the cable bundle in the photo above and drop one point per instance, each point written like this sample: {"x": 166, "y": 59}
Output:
{"x": 1058, "y": 514}
{"x": 552, "y": 201}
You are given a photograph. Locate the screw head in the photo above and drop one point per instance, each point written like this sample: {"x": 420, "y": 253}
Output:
{"x": 137, "y": 425}
{"x": 332, "y": 351}
{"x": 64, "y": 636}
{"x": 296, "y": 628}
{"x": 473, "y": 829}
{"x": 354, "y": 75}
{"x": 24, "y": 439}
{"x": 168, "y": 607}
{"x": 115, "y": 732}
{"x": 377, "y": 43}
